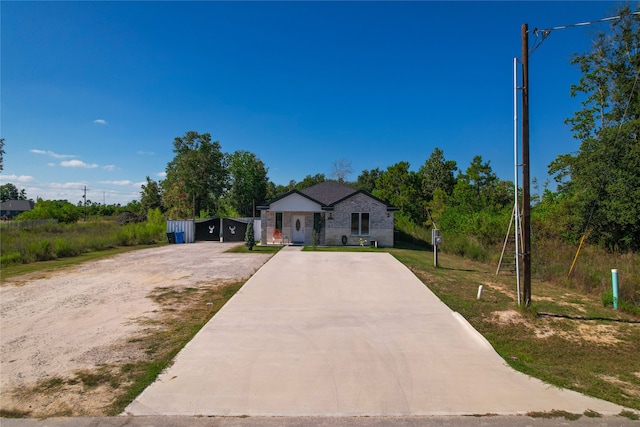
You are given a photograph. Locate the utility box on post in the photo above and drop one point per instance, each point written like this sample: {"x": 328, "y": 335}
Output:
{"x": 436, "y": 240}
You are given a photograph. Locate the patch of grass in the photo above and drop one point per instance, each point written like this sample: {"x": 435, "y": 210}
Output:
{"x": 555, "y": 414}
{"x": 11, "y": 413}
{"x": 342, "y": 249}
{"x": 630, "y": 414}
{"x": 91, "y": 379}
{"x": 592, "y": 414}
{"x": 48, "y": 385}
{"x": 242, "y": 249}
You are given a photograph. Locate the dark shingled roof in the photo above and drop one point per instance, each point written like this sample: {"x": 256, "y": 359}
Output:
{"x": 328, "y": 192}
{"x": 17, "y": 205}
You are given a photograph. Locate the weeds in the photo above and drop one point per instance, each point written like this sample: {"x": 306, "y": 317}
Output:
{"x": 8, "y": 413}
{"x": 555, "y": 414}
{"x": 630, "y": 414}
{"x": 54, "y": 241}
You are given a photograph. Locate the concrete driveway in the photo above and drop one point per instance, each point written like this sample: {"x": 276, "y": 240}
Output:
{"x": 344, "y": 334}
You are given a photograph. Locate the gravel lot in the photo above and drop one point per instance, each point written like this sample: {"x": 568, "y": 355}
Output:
{"x": 54, "y": 324}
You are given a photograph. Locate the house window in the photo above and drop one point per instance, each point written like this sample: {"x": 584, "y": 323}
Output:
{"x": 360, "y": 223}
{"x": 279, "y": 220}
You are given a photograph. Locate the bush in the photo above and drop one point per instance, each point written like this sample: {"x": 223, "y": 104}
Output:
{"x": 64, "y": 249}
{"x": 10, "y": 259}
{"x": 465, "y": 246}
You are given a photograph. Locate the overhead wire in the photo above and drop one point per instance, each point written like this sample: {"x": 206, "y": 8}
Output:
{"x": 544, "y": 33}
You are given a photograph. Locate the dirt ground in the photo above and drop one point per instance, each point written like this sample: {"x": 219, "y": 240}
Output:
{"x": 80, "y": 318}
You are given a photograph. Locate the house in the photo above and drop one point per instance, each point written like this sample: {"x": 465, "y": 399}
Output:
{"x": 340, "y": 215}
{"x": 11, "y": 208}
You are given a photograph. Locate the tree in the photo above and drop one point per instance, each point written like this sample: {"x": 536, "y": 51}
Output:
{"x": 603, "y": 178}
{"x": 398, "y": 186}
{"x": 248, "y": 182}
{"x": 9, "y": 191}
{"x": 475, "y": 189}
{"x": 196, "y": 177}
{"x": 61, "y": 210}
{"x": 310, "y": 181}
{"x": 150, "y": 196}
{"x": 437, "y": 173}
{"x": 367, "y": 180}
{"x": 341, "y": 169}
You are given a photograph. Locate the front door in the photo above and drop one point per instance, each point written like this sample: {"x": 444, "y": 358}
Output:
{"x": 297, "y": 235}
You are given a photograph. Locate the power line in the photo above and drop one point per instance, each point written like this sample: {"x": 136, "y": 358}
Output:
{"x": 544, "y": 33}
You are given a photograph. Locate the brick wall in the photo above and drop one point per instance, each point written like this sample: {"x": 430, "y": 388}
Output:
{"x": 380, "y": 222}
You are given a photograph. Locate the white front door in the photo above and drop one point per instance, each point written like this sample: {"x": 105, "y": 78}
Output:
{"x": 297, "y": 235}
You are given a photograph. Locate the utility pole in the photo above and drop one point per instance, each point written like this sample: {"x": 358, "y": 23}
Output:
{"x": 526, "y": 191}
{"x": 84, "y": 196}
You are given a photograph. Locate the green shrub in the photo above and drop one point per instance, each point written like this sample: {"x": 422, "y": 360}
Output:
{"x": 607, "y": 299}
{"x": 10, "y": 259}
{"x": 65, "y": 248}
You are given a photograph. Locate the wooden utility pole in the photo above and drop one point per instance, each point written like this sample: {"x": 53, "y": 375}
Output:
{"x": 526, "y": 191}
{"x": 84, "y": 197}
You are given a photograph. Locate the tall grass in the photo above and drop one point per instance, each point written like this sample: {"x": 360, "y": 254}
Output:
{"x": 52, "y": 241}
{"x": 551, "y": 259}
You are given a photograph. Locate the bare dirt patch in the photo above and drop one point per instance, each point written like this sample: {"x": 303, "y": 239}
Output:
{"x": 545, "y": 328}
{"x": 62, "y": 330}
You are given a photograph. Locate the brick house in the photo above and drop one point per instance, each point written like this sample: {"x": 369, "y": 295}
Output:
{"x": 340, "y": 215}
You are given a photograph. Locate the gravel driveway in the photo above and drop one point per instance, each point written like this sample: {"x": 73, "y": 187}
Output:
{"x": 53, "y": 324}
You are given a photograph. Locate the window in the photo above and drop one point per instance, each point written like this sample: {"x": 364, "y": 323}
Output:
{"x": 279, "y": 220}
{"x": 360, "y": 223}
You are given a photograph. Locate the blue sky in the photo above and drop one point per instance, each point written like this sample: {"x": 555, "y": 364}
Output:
{"x": 93, "y": 93}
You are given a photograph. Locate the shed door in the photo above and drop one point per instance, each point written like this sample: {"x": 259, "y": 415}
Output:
{"x": 297, "y": 227}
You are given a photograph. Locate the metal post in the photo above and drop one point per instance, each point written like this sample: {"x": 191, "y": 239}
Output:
{"x": 435, "y": 247}
{"x": 526, "y": 196}
{"x": 516, "y": 211}
{"x": 614, "y": 283}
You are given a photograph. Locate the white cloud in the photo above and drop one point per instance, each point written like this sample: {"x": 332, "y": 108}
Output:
{"x": 100, "y": 121}
{"x": 67, "y": 185}
{"x": 52, "y": 165}
{"x": 77, "y": 164}
{"x": 146, "y": 153}
{"x": 121, "y": 182}
{"x": 109, "y": 167}
{"x": 16, "y": 178}
{"x": 161, "y": 174}
{"x": 52, "y": 154}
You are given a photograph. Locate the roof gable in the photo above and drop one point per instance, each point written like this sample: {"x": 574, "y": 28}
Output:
{"x": 389, "y": 207}
{"x": 296, "y": 202}
{"x": 328, "y": 192}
